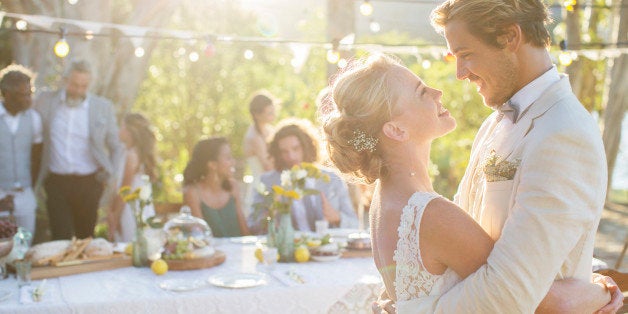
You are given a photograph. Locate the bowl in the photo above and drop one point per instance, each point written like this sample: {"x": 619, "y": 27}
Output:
{"x": 359, "y": 241}
{"x": 6, "y": 245}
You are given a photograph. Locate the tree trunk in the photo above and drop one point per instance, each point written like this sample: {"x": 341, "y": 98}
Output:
{"x": 617, "y": 97}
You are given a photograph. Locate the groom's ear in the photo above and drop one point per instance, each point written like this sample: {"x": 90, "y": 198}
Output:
{"x": 394, "y": 131}
{"x": 512, "y": 38}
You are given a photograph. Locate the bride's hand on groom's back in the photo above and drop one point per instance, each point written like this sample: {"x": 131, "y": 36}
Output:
{"x": 617, "y": 297}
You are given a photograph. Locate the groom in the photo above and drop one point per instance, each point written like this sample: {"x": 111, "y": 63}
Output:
{"x": 536, "y": 180}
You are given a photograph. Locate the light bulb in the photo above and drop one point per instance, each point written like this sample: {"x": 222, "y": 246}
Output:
{"x": 89, "y": 35}
{"x": 193, "y": 56}
{"x": 72, "y": 2}
{"x": 248, "y": 54}
{"x": 366, "y": 8}
{"x": 375, "y": 27}
{"x": 342, "y": 63}
{"x": 62, "y": 49}
{"x": 333, "y": 56}
{"x": 139, "y": 52}
{"x": 426, "y": 64}
{"x": 21, "y": 25}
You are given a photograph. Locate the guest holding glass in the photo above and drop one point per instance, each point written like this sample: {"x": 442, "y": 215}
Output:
{"x": 254, "y": 146}
{"x": 139, "y": 162}
{"x": 210, "y": 189}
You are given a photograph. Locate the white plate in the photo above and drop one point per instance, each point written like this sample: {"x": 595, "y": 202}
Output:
{"x": 325, "y": 258}
{"x": 5, "y": 294}
{"x": 180, "y": 285}
{"x": 244, "y": 240}
{"x": 238, "y": 280}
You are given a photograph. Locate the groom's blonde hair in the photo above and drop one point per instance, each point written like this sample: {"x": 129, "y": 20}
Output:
{"x": 488, "y": 19}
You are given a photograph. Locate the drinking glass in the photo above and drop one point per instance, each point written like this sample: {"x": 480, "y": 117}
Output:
{"x": 23, "y": 271}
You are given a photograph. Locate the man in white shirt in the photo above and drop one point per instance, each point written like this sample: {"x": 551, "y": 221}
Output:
{"x": 81, "y": 151}
{"x": 21, "y": 142}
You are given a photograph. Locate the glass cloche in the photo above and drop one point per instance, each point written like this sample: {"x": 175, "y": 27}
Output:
{"x": 187, "y": 237}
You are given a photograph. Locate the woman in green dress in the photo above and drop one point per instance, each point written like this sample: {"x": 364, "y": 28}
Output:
{"x": 210, "y": 189}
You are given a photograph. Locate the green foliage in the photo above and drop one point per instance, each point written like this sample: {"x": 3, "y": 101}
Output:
{"x": 187, "y": 101}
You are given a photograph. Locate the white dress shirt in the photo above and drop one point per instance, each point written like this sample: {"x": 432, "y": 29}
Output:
{"x": 14, "y": 121}
{"x": 69, "y": 136}
{"x": 523, "y": 99}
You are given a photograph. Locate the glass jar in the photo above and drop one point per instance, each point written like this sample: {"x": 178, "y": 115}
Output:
{"x": 187, "y": 237}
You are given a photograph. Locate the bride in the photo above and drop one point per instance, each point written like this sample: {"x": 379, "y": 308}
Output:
{"x": 382, "y": 130}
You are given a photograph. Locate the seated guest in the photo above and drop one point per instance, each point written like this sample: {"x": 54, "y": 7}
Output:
{"x": 210, "y": 189}
{"x": 294, "y": 143}
{"x": 139, "y": 143}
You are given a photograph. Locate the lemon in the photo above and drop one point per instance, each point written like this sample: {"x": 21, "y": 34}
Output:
{"x": 313, "y": 243}
{"x": 128, "y": 249}
{"x": 301, "y": 254}
{"x": 159, "y": 267}
{"x": 259, "y": 255}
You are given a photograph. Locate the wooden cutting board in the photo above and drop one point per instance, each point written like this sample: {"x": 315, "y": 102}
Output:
{"x": 197, "y": 263}
{"x": 117, "y": 260}
{"x": 350, "y": 253}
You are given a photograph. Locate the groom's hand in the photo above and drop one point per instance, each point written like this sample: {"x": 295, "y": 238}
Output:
{"x": 617, "y": 297}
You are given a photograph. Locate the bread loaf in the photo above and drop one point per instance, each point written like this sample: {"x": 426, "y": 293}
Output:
{"x": 99, "y": 247}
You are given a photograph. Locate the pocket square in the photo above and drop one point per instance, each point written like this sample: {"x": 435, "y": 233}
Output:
{"x": 496, "y": 170}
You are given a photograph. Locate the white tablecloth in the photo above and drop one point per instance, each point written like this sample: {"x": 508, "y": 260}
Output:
{"x": 348, "y": 285}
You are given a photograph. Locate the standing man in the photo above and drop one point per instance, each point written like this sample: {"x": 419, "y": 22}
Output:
{"x": 81, "y": 151}
{"x": 536, "y": 180}
{"x": 292, "y": 144}
{"x": 20, "y": 142}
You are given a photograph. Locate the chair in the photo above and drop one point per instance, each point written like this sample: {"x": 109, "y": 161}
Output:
{"x": 164, "y": 209}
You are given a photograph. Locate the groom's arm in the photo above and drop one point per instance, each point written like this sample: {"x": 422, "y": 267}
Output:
{"x": 557, "y": 204}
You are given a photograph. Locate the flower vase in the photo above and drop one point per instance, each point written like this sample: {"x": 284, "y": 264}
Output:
{"x": 140, "y": 248}
{"x": 284, "y": 238}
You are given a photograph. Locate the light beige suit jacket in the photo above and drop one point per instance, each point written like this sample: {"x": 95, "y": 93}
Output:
{"x": 549, "y": 211}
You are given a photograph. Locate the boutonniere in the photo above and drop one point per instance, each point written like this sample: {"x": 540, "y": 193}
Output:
{"x": 496, "y": 170}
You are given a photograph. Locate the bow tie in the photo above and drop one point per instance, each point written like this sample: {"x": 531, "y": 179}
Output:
{"x": 509, "y": 110}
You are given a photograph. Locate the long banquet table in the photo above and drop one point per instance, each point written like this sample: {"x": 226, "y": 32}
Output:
{"x": 347, "y": 285}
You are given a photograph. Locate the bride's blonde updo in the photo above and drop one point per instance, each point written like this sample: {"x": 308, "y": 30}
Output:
{"x": 363, "y": 97}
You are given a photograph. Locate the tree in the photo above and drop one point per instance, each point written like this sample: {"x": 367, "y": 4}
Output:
{"x": 118, "y": 73}
{"x": 617, "y": 100}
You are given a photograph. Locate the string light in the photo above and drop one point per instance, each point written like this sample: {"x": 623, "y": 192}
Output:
{"x": 21, "y": 25}
{"x": 89, "y": 35}
{"x": 193, "y": 56}
{"x": 248, "y": 54}
{"x": 374, "y": 27}
{"x": 426, "y": 64}
{"x": 333, "y": 56}
{"x": 139, "y": 52}
{"x": 342, "y": 63}
{"x": 62, "y": 48}
{"x": 72, "y": 2}
{"x": 366, "y": 8}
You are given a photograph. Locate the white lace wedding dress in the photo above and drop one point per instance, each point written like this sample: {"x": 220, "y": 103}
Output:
{"x": 412, "y": 281}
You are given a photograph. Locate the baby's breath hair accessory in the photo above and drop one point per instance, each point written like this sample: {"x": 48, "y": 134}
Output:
{"x": 362, "y": 142}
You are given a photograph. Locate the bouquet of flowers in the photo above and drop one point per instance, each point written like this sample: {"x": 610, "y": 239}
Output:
{"x": 278, "y": 199}
{"x": 138, "y": 199}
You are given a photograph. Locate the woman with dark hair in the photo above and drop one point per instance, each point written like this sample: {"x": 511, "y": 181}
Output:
{"x": 210, "y": 190}
{"x": 254, "y": 146}
{"x": 139, "y": 142}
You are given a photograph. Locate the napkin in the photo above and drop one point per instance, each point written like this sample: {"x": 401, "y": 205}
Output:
{"x": 289, "y": 278}
{"x": 26, "y": 294}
